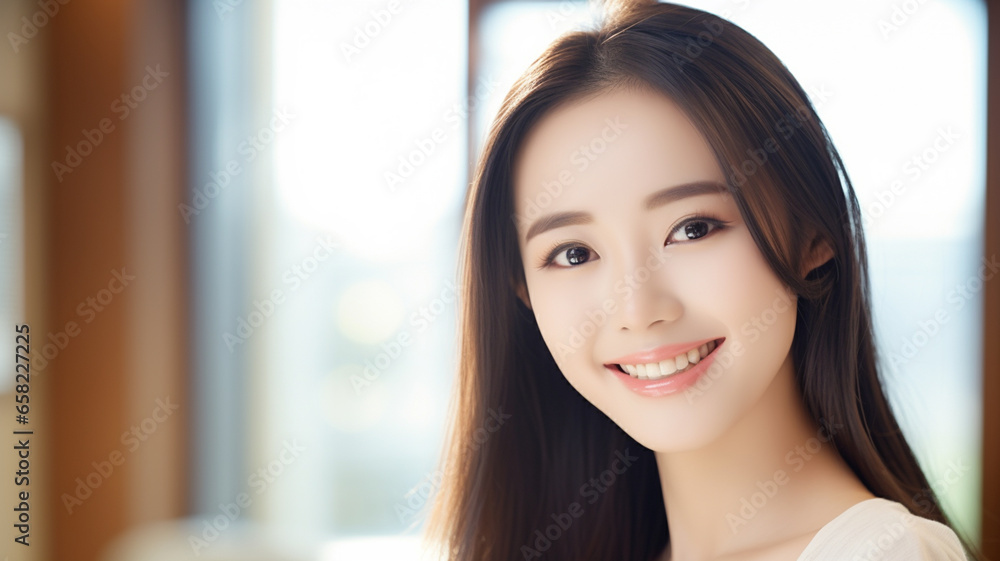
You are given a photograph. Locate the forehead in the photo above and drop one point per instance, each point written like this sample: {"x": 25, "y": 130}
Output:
{"x": 620, "y": 142}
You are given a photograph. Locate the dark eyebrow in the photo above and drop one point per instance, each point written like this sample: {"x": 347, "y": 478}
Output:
{"x": 656, "y": 200}
{"x": 557, "y": 220}
{"x": 678, "y": 192}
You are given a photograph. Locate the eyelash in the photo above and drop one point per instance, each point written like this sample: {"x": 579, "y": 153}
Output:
{"x": 707, "y": 217}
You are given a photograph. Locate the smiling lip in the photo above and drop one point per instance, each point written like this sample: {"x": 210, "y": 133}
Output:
{"x": 672, "y": 383}
{"x": 660, "y": 353}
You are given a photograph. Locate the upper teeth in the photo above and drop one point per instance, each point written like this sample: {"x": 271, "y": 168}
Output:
{"x": 680, "y": 363}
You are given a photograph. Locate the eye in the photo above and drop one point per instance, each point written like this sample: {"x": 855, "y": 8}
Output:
{"x": 694, "y": 228}
{"x": 568, "y": 255}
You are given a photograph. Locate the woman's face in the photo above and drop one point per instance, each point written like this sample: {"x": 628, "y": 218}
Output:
{"x": 634, "y": 253}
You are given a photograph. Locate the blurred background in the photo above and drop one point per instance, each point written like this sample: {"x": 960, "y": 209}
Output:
{"x": 231, "y": 227}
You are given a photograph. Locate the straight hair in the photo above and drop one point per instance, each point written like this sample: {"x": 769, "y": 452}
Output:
{"x": 507, "y": 495}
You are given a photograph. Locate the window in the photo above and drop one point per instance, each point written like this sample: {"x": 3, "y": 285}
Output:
{"x": 11, "y": 237}
{"x": 338, "y": 263}
{"x": 356, "y": 363}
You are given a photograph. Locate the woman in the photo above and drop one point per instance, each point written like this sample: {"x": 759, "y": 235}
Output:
{"x": 665, "y": 289}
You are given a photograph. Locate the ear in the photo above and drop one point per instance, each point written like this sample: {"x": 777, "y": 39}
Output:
{"x": 819, "y": 253}
{"x": 521, "y": 288}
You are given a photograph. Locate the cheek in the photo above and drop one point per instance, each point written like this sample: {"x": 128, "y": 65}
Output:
{"x": 736, "y": 286}
{"x": 564, "y": 304}
{"x": 731, "y": 277}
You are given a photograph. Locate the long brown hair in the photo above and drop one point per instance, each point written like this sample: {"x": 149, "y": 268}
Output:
{"x": 511, "y": 485}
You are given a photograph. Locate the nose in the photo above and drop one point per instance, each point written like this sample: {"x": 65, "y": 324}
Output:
{"x": 647, "y": 299}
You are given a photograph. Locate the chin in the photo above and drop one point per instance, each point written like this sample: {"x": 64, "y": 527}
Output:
{"x": 666, "y": 433}
{"x": 688, "y": 420}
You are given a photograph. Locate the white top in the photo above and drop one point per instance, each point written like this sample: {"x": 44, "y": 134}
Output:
{"x": 883, "y": 530}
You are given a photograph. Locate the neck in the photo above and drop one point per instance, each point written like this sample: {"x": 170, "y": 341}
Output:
{"x": 748, "y": 489}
